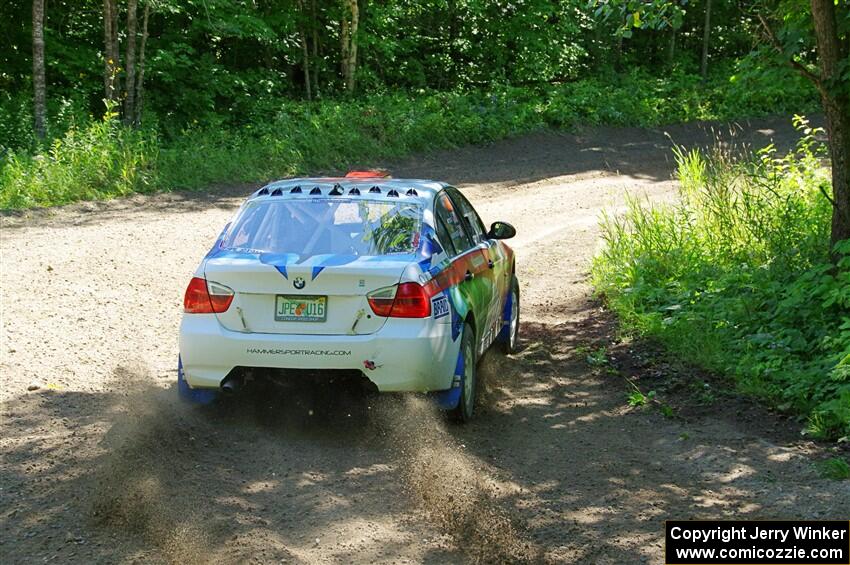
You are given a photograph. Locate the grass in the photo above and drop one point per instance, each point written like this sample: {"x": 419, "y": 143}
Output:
{"x": 736, "y": 277}
{"x": 834, "y": 468}
{"x": 273, "y": 138}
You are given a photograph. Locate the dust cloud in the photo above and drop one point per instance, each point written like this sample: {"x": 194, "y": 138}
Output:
{"x": 134, "y": 485}
{"x": 451, "y": 485}
{"x": 146, "y": 483}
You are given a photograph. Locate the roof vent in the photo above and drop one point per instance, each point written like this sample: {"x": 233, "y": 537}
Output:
{"x": 316, "y": 190}
{"x": 337, "y": 190}
{"x": 263, "y": 191}
{"x": 393, "y": 192}
{"x": 355, "y": 191}
{"x": 411, "y": 192}
{"x": 296, "y": 190}
{"x": 375, "y": 190}
{"x": 277, "y": 192}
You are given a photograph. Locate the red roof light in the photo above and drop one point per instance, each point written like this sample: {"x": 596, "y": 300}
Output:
{"x": 371, "y": 174}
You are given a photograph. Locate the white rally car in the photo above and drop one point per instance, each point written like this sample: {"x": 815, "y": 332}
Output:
{"x": 396, "y": 279}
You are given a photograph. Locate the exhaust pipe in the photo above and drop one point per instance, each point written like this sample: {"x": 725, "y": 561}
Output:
{"x": 231, "y": 385}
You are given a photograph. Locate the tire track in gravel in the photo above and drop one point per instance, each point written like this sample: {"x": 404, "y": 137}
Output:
{"x": 101, "y": 464}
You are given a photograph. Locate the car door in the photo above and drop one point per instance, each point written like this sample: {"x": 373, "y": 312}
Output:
{"x": 473, "y": 289}
{"x": 497, "y": 275}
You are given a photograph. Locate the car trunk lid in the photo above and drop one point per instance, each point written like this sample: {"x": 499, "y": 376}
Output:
{"x": 323, "y": 295}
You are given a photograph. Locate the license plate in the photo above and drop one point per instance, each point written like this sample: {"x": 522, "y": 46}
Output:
{"x": 297, "y": 308}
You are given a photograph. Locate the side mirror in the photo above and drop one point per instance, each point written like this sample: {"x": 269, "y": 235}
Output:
{"x": 501, "y": 230}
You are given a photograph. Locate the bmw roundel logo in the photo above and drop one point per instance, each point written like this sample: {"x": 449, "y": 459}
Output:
{"x": 298, "y": 283}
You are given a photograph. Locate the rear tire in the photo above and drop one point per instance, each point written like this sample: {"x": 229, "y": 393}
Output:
{"x": 469, "y": 380}
{"x": 509, "y": 341}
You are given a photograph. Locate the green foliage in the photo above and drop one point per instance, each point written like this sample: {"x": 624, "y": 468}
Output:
{"x": 439, "y": 44}
{"x": 218, "y": 62}
{"x": 834, "y": 468}
{"x": 100, "y": 160}
{"x": 597, "y": 357}
{"x": 641, "y": 14}
{"x": 667, "y": 411}
{"x": 225, "y": 83}
{"x": 737, "y": 277}
{"x": 280, "y": 137}
{"x": 637, "y": 398}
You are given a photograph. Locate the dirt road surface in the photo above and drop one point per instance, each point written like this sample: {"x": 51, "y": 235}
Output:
{"x": 101, "y": 464}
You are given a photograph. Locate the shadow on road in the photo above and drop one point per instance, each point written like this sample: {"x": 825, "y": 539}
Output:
{"x": 141, "y": 475}
{"x": 542, "y": 475}
{"x": 644, "y": 153}
{"x": 597, "y": 478}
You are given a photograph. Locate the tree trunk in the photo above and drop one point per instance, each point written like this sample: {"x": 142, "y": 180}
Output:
{"x": 306, "y": 64}
{"x": 344, "y": 45}
{"x": 706, "y": 38}
{"x": 671, "y": 48}
{"x": 140, "y": 78}
{"x": 835, "y": 97}
{"x": 130, "y": 61}
{"x": 305, "y": 52}
{"x": 107, "y": 54}
{"x": 314, "y": 27}
{"x": 454, "y": 56}
{"x": 110, "y": 51}
{"x": 348, "y": 42}
{"x": 38, "y": 81}
{"x": 352, "y": 52}
{"x": 618, "y": 51}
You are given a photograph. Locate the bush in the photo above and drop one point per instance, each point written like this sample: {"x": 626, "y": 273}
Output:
{"x": 100, "y": 160}
{"x": 274, "y": 137}
{"x": 737, "y": 278}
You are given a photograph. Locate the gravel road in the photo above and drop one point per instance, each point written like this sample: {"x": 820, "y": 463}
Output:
{"x": 101, "y": 464}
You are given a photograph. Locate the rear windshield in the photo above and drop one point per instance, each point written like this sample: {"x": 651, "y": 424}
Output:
{"x": 316, "y": 227}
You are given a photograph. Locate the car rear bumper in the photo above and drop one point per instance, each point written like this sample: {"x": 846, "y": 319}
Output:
{"x": 412, "y": 355}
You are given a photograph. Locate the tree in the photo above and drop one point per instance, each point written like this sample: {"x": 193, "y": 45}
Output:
{"x": 110, "y": 50}
{"x": 830, "y": 23}
{"x": 129, "y": 94}
{"x": 822, "y": 28}
{"x": 38, "y": 80}
{"x": 130, "y": 62}
{"x": 140, "y": 81}
{"x": 305, "y": 52}
{"x": 706, "y": 38}
{"x": 835, "y": 97}
{"x": 348, "y": 39}
{"x": 314, "y": 25}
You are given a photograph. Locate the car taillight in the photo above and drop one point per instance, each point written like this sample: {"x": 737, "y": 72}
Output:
{"x": 381, "y": 300}
{"x": 407, "y": 300}
{"x": 203, "y": 297}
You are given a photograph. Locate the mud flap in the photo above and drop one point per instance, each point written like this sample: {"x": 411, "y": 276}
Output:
{"x": 450, "y": 399}
{"x": 505, "y": 333}
{"x": 192, "y": 395}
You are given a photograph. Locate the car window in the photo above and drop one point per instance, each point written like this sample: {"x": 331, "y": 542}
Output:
{"x": 444, "y": 238}
{"x": 473, "y": 224}
{"x": 451, "y": 224}
{"x": 318, "y": 226}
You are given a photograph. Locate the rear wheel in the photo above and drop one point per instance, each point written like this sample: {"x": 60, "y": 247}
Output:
{"x": 509, "y": 339}
{"x": 469, "y": 377}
